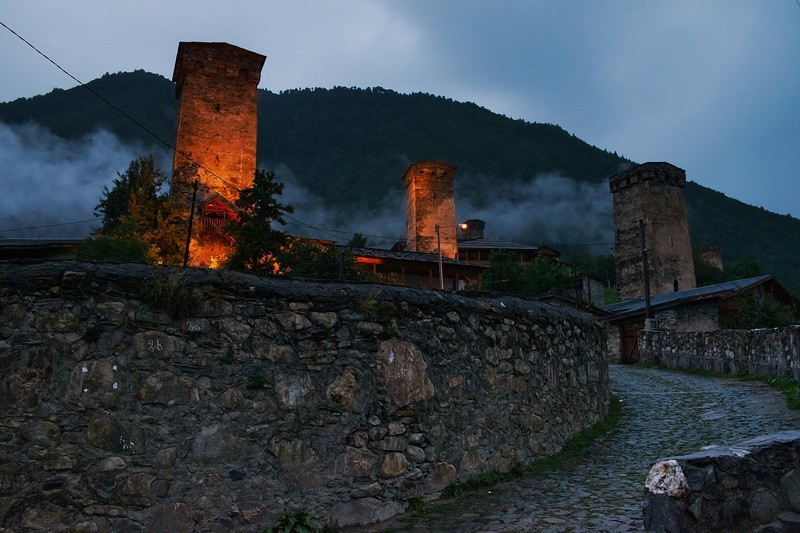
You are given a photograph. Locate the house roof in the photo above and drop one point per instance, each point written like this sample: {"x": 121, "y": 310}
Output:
{"x": 671, "y": 299}
{"x": 489, "y": 244}
{"x": 396, "y": 255}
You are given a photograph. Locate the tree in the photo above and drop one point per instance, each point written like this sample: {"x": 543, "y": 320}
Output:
{"x": 541, "y": 275}
{"x": 358, "y": 241}
{"x": 545, "y": 275}
{"x": 761, "y": 309}
{"x": 139, "y": 220}
{"x": 746, "y": 267}
{"x": 257, "y": 245}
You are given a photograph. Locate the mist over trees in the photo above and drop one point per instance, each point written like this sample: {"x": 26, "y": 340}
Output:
{"x": 346, "y": 149}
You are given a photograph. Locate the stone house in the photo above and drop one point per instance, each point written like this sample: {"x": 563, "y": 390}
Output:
{"x": 708, "y": 308}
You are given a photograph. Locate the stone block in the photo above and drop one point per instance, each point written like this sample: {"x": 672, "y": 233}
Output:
{"x": 166, "y": 388}
{"x": 157, "y": 344}
{"x": 404, "y": 371}
{"x": 393, "y": 464}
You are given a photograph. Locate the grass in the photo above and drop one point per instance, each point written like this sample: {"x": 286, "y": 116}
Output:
{"x": 572, "y": 450}
{"x": 171, "y": 295}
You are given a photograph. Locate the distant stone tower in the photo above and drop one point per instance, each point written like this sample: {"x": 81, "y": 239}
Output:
{"x": 652, "y": 192}
{"x": 216, "y": 88}
{"x": 430, "y": 201}
{"x": 711, "y": 254}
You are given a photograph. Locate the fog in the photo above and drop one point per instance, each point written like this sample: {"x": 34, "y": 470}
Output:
{"x": 49, "y": 183}
{"x": 53, "y": 185}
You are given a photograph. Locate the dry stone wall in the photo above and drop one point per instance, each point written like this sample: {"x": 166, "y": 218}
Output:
{"x": 345, "y": 400}
{"x": 769, "y": 352}
{"x": 753, "y": 486}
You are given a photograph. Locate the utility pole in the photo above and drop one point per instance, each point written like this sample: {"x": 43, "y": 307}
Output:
{"x": 647, "y": 309}
{"x": 439, "y": 248}
{"x": 191, "y": 221}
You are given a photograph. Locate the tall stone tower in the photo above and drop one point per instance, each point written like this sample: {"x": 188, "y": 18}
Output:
{"x": 430, "y": 201}
{"x": 652, "y": 192}
{"x": 216, "y": 88}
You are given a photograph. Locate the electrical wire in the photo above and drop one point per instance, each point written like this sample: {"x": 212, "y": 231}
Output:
{"x": 147, "y": 130}
{"x": 51, "y": 225}
{"x": 121, "y": 111}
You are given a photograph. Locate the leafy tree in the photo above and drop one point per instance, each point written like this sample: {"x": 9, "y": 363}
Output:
{"x": 706, "y": 274}
{"x": 101, "y": 248}
{"x": 257, "y": 244}
{"x": 358, "y": 241}
{"x": 746, "y": 267}
{"x": 600, "y": 267}
{"x": 503, "y": 273}
{"x": 138, "y": 216}
{"x": 544, "y": 275}
{"x": 541, "y": 275}
{"x": 306, "y": 259}
{"x": 761, "y": 309}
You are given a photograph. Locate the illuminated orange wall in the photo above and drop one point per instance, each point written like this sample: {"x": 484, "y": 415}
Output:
{"x": 216, "y": 87}
{"x": 430, "y": 201}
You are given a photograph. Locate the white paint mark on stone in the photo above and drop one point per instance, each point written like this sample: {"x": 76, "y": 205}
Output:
{"x": 391, "y": 357}
{"x": 114, "y": 386}
{"x": 84, "y": 370}
{"x": 666, "y": 477}
{"x": 114, "y": 367}
{"x": 85, "y": 390}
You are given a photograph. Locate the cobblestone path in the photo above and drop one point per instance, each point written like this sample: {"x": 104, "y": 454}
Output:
{"x": 663, "y": 413}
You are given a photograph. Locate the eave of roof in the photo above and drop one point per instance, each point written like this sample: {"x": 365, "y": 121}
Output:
{"x": 380, "y": 253}
{"x": 665, "y": 300}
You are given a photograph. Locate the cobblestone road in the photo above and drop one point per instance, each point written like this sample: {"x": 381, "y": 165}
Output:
{"x": 663, "y": 414}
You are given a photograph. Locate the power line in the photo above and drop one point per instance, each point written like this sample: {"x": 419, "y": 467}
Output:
{"x": 50, "y": 225}
{"x": 120, "y": 111}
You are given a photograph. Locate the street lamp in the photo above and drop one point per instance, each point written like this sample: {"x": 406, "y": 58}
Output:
{"x": 439, "y": 248}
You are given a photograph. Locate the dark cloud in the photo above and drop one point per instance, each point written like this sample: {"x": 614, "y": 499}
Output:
{"x": 709, "y": 86}
{"x": 52, "y": 182}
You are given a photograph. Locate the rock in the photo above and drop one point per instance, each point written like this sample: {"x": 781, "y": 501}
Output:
{"x": 666, "y": 477}
{"x": 441, "y": 476}
{"x": 115, "y": 313}
{"x": 292, "y": 321}
{"x": 415, "y": 454}
{"x": 62, "y": 321}
{"x": 393, "y": 464}
{"x": 356, "y": 462}
{"x": 110, "y": 464}
{"x": 98, "y": 383}
{"x": 166, "y": 388}
{"x": 171, "y": 518}
{"x": 111, "y": 434}
{"x": 343, "y": 389}
{"x": 294, "y": 452}
{"x": 324, "y": 320}
{"x": 404, "y": 371}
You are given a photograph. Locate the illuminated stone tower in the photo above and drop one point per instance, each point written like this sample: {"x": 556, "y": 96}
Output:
{"x": 430, "y": 201}
{"x": 652, "y": 192}
{"x": 216, "y": 87}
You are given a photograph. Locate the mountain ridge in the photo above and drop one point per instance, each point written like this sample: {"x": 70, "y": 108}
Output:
{"x": 350, "y": 147}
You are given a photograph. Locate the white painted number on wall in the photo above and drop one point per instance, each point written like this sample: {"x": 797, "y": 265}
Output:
{"x": 194, "y": 326}
{"x": 155, "y": 345}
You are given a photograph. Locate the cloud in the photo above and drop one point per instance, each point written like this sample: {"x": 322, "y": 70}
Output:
{"x": 49, "y": 181}
{"x": 549, "y": 209}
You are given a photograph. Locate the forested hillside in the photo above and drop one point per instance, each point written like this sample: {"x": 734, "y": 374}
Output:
{"x": 350, "y": 147}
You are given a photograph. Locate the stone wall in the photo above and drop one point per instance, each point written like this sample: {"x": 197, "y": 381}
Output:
{"x": 346, "y": 400}
{"x": 754, "y": 486}
{"x": 769, "y": 352}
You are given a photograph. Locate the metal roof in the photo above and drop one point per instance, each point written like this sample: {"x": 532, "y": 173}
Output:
{"x": 409, "y": 256}
{"x": 669, "y": 299}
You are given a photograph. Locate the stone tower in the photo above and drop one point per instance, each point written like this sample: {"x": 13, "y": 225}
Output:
{"x": 216, "y": 87}
{"x": 652, "y": 192}
{"x": 430, "y": 201}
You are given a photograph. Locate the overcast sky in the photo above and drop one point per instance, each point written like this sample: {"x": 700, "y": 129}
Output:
{"x": 712, "y": 86}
